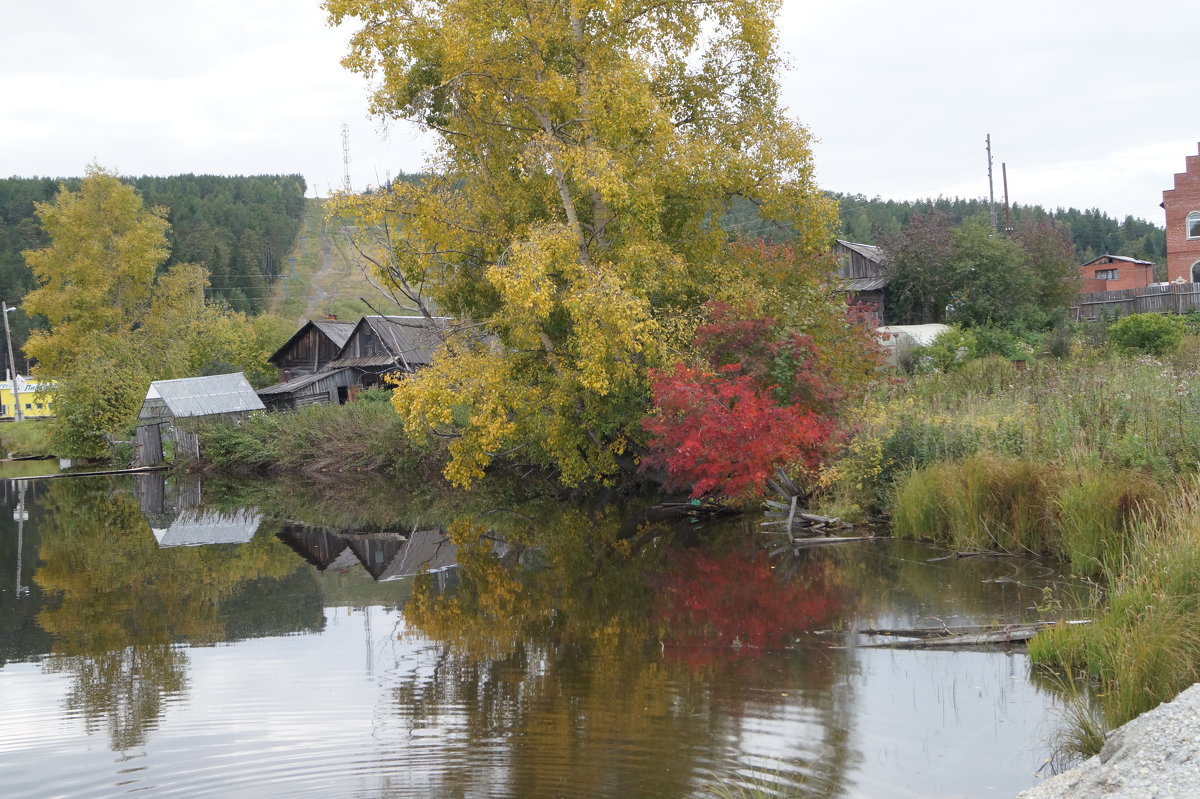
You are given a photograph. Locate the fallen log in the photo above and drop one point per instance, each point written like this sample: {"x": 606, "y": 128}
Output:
{"x": 935, "y": 638}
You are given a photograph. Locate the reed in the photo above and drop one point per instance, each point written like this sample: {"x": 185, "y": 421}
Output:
{"x": 1143, "y": 647}
{"x": 1022, "y": 505}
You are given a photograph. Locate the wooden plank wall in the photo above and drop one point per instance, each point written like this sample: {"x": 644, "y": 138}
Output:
{"x": 1173, "y": 299}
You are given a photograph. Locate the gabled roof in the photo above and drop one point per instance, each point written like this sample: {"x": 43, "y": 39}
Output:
{"x": 337, "y": 333}
{"x": 869, "y": 251}
{"x": 1110, "y": 258}
{"x": 410, "y": 340}
{"x": 200, "y": 396}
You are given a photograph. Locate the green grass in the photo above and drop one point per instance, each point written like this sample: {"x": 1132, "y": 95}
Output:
{"x": 365, "y": 435}
{"x": 313, "y": 292}
{"x": 25, "y": 438}
{"x": 1022, "y": 505}
{"x": 1143, "y": 647}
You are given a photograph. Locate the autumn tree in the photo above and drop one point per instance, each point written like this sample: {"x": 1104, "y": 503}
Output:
{"x": 586, "y": 153}
{"x": 117, "y": 320}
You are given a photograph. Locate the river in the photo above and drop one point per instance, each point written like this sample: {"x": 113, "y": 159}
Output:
{"x": 356, "y": 639}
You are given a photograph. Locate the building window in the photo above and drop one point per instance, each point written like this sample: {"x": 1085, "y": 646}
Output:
{"x": 1193, "y": 225}
{"x": 1106, "y": 274}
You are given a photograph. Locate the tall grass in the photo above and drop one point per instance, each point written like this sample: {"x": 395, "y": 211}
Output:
{"x": 366, "y": 435}
{"x": 1018, "y": 504}
{"x": 1108, "y": 413}
{"x": 25, "y": 438}
{"x": 1144, "y": 647}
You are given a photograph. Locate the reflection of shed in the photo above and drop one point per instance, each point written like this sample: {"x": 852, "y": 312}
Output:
{"x": 311, "y": 347}
{"x": 169, "y": 402}
{"x": 171, "y": 506}
{"x": 197, "y": 526}
{"x": 385, "y": 556}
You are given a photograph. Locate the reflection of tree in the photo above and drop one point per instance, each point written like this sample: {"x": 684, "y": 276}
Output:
{"x": 118, "y": 603}
{"x": 562, "y": 658}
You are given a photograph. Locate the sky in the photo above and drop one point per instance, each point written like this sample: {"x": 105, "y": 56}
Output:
{"x": 1088, "y": 104}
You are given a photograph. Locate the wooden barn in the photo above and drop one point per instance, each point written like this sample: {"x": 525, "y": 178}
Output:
{"x": 171, "y": 407}
{"x": 330, "y": 387}
{"x": 381, "y": 345}
{"x": 860, "y": 266}
{"x": 311, "y": 348}
{"x": 374, "y": 346}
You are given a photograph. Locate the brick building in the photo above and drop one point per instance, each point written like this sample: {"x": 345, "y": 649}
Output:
{"x": 1114, "y": 272}
{"x": 1182, "y": 205}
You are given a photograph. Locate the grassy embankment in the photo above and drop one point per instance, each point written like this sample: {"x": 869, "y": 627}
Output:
{"x": 366, "y": 435}
{"x": 24, "y": 438}
{"x": 1095, "y": 460}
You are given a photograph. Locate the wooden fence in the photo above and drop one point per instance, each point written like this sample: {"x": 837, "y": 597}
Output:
{"x": 1176, "y": 298}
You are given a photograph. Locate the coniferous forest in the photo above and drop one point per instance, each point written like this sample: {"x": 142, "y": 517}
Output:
{"x": 1093, "y": 232}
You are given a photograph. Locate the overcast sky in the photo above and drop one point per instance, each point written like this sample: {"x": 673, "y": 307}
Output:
{"x": 1090, "y": 104}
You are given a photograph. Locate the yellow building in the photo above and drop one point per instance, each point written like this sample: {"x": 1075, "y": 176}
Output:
{"x": 37, "y": 400}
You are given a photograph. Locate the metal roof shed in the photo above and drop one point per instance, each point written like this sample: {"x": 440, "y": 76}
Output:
{"x": 190, "y": 397}
{"x": 168, "y": 401}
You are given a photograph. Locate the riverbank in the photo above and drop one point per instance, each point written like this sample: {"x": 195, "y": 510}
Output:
{"x": 1153, "y": 756}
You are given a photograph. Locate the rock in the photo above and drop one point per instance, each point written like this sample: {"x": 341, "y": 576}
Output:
{"x": 1151, "y": 757}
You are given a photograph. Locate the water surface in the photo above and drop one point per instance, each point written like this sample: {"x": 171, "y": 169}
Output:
{"x": 170, "y": 639}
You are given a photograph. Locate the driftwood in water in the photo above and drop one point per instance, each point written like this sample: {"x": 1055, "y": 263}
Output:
{"x": 788, "y": 518}
{"x": 966, "y": 636}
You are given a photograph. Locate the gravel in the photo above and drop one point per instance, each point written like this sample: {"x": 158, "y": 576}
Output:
{"x": 1155, "y": 756}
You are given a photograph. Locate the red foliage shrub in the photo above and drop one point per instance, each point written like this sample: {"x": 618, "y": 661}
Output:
{"x": 719, "y": 432}
{"x": 760, "y": 402}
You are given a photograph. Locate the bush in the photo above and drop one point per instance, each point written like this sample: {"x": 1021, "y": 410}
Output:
{"x": 1147, "y": 334}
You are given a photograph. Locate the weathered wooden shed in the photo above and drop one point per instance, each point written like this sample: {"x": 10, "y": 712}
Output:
{"x": 330, "y": 387}
{"x": 860, "y": 266}
{"x": 381, "y": 345}
{"x": 171, "y": 407}
{"x": 311, "y": 348}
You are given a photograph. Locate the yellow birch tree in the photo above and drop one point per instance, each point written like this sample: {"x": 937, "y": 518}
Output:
{"x": 587, "y": 150}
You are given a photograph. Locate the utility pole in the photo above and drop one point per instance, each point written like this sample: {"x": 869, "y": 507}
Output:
{"x": 991, "y": 191}
{"x": 346, "y": 157}
{"x": 12, "y": 364}
{"x": 1007, "y": 218}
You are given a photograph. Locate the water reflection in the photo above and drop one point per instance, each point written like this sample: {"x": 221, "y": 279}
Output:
{"x": 569, "y": 652}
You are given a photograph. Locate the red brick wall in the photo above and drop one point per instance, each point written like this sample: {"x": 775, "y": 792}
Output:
{"x": 1178, "y": 202}
{"x": 1129, "y": 276}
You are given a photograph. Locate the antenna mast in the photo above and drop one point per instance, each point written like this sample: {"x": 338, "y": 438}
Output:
{"x": 991, "y": 191}
{"x": 346, "y": 157}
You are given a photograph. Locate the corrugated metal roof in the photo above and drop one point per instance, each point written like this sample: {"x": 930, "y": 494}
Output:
{"x": 203, "y": 396}
{"x": 298, "y": 383}
{"x": 412, "y": 339}
{"x": 865, "y": 283}
{"x": 195, "y": 527}
{"x": 1110, "y": 258}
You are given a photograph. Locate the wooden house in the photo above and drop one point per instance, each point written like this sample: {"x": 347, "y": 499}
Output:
{"x": 381, "y": 345}
{"x": 860, "y": 267}
{"x": 172, "y": 406}
{"x": 311, "y": 348}
{"x": 374, "y": 346}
